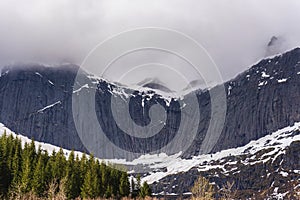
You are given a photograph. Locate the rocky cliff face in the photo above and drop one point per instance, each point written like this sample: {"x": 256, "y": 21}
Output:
{"x": 37, "y": 101}
{"x": 262, "y": 100}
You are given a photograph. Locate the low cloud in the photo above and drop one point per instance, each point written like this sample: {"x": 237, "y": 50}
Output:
{"x": 235, "y": 33}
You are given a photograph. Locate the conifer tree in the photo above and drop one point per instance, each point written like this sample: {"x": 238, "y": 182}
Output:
{"x": 3, "y": 146}
{"x": 124, "y": 185}
{"x": 78, "y": 175}
{"x": 4, "y": 184}
{"x": 16, "y": 163}
{"x": 10, "y": 148}
{"x": 32, "y": 153}
{"x": 28, "y": 164}
{"x": 83, "y": 162}
{"x": 58, "y": 165}
{"x": 49, "y": 168}
{"x": 72, "y": 177}
{"x": 88, "y": 189}
{"x": 104, "y": 178}
{"x": 99, "y": 188}
{"x": 115, "y": 181}
{"x": 90, "y": 184}
{"x": 39, "y": 177}
{"x": 26, "y": 172}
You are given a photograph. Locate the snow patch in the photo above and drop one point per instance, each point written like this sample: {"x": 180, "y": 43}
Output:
{"x": 84, "y": 86}
{"x": 50, "y": 82}
{"x": 264, "y": 75}
{"x": 49, "y": 106}
{"x": 229, "y": 90}
{"x": 262, "y": 83}
{"x": 38, "y": 74}
{"x": 282, "y": 80}
{"x": 284, "y": 174}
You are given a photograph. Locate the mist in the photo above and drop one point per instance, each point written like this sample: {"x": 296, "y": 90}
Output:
{"x": 235, "y": 33}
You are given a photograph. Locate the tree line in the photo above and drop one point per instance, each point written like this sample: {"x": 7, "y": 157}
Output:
{"x": 27, "y": 169}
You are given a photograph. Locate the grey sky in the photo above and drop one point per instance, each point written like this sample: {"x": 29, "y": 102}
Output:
{"x": 234, "y": 32}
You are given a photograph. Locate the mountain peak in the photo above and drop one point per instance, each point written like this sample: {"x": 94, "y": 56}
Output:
{"x": 276, "y": 45}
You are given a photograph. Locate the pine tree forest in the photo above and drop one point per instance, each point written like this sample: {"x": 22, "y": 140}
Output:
{"x": 27, "y": 170}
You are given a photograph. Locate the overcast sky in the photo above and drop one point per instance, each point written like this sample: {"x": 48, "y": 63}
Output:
{"x": 234, "y": 32}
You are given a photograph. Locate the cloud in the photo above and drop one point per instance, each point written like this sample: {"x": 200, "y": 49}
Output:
{"x": 234, "y": 32}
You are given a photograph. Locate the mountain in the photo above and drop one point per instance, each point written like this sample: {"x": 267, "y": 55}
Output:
{"x": 37, "y": 101}
{"x": 269, "y": 166}
{"x": 275, "y": 159}
{"x": 257, "y": 148}
{"x": 276, "y": 45}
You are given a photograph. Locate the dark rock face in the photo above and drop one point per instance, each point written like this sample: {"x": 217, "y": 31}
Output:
{"x": 262, "y": 100}
{"x": 25, "y": 93}
{"x": 140, "y": 115}
{"x": 37, "y": 102}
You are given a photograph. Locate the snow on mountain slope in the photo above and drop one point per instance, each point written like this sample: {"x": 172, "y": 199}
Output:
{"x": 125, "y": 92}
{"x": 44, "y": 146}
{"x": 158, "y": 167}
{"x": 162, "y": 165}
{"x": 275, "y": 142}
